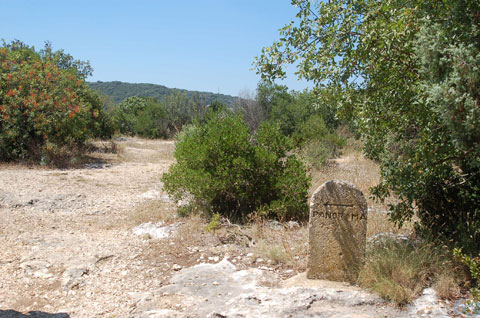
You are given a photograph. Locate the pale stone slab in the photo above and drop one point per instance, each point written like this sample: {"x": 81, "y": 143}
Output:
{"x": 337, "y": 232}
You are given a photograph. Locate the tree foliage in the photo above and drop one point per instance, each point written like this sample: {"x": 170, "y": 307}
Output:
{"x": 46, "y": 109}
{"x": 310, "y": 125}
{"x": 147, "y": 117}
{"x": 222, "y": 168}
{"x": 407, "y": 73}
{"x": 141, "y": 116}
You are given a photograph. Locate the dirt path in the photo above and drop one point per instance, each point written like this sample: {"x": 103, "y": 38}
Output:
{"x": 68, "y": 249}
{"x": 66, "y": 238}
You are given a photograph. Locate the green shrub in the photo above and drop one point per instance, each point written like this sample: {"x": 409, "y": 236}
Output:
{"x": 221, "y": 168}
{"x": 473, "y": 264}
{"x": 47, "y": 111}
{"x": 214, "y": 223}
{"x": 313, "y": 128}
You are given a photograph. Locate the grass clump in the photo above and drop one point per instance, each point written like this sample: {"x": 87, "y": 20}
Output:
{"x": 399, "y": 271}
{"x": 276, "y": 253}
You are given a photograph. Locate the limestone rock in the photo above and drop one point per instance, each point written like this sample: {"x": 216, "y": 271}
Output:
{"x": 221, "y": 290}
{"x": 337, "y": 232}
{"x": 156, "y": 230}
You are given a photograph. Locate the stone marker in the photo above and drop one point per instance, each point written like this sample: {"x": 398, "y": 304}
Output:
{"x": 337, "y": 232}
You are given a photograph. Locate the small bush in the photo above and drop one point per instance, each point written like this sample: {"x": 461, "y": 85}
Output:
{"x": 223, "y": 169}
{"x": 214, "y": 223}
{"x": 473, "y": 265}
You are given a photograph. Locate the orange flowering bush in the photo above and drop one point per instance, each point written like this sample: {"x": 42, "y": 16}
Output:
{"x": 46, "y": 108}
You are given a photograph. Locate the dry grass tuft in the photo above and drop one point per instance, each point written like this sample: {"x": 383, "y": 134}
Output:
{"x": 191, "y": 231}
{"x": 280, "y": 244}
{"x": 399, "y": 271}
{"x": 276, "y": 253}
{"x": 447, "y": 286}
{"x": 379, "y": 222}
{"x": 151, "y": 211}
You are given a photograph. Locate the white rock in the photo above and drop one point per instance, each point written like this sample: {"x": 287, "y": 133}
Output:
{"x": 152, "y": 195}
{"x": 155, "y": 230}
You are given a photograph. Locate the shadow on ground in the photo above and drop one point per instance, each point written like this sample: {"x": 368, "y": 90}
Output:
{"x": 32, "y": 314}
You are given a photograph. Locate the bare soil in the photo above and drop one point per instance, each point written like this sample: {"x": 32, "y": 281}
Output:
{"x": 67, "y": 241}
{"x": 68, "y": 248}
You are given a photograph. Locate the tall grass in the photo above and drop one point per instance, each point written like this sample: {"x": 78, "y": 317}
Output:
{"x": 399, "y": 271}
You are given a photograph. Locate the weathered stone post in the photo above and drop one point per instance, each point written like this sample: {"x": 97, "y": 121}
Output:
{"x": 337, "y": 232}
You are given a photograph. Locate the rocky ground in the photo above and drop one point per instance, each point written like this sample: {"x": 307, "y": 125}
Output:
{"x": 103, "y": 240}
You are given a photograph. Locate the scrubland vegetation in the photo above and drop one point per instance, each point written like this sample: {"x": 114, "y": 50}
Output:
{"x": 406, "y": 74}
{"x": 47, "y": 111}
{"x": 398, "y": 78}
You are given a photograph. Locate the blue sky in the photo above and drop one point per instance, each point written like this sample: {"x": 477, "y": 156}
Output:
{"x": 205, "y": 45}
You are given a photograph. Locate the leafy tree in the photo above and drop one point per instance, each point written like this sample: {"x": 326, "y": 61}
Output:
{"x": 46, "y": 109}
{"x": 151, "y": 121}
{"x": 407, "y": 73}
{"x": 180, "y": 110}
{"x": 142, "y": 116}
{"x": 126, "y": 113}
{"x": 220, "y": 168}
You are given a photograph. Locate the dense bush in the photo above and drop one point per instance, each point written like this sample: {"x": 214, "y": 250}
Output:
{"x": 47, "y": 110}
{"x": 222, "y": 168}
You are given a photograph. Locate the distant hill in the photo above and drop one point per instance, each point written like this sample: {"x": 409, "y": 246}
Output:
{"x": 118, "y": 91}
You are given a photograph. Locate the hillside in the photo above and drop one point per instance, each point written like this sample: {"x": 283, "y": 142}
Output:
{"x": 118, "y": 91}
